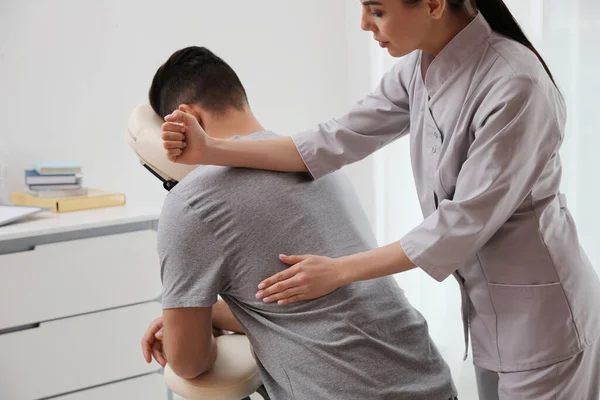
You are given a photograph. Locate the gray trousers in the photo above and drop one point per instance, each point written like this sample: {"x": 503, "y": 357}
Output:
{"x": 577, "y": 378}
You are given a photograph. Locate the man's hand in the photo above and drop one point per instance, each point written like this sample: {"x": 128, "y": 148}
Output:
{"x": 152, "y": 343}
{"x": 184, "y": 139}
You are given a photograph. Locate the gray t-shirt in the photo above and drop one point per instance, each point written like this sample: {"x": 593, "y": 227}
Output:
{"x": 220, "y": 233}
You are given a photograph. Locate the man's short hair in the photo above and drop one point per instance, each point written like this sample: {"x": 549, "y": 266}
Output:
{"x": 195, "y": 75}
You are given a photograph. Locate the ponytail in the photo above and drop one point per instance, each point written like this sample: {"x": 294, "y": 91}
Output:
{"x": 502, "y": 21}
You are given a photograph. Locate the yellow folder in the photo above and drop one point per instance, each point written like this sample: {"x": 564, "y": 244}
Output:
{"x": 94, "y": 199}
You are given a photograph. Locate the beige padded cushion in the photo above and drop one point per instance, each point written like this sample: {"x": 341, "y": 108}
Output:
{"x": 144, "y": 137}
{"x": 233, "y": 377}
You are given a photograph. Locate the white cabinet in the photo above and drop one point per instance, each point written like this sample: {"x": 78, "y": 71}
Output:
{"x": 67, "y": 278}
{"x": 78, "y": 291}
{"x": 75, "y": 353}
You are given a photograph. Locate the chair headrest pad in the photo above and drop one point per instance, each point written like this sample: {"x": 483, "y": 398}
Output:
{"x": 144, "y": 137}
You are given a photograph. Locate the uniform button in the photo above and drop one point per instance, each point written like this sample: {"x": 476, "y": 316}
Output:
{"x": 436, "y": 135}
{"x": 433, "y": 149}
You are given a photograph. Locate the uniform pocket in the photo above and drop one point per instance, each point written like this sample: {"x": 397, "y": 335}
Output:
{"x": 440, "y": 189}
{"x": 534, "y": 324}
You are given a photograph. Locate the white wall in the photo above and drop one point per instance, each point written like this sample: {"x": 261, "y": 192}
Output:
{"x": 360, "y": 70}
{"x": 566, "y": 33}
{"x": 71, "y": 71}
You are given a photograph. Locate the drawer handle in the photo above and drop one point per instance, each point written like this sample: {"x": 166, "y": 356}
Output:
{"x": 9, "y": 250}
{"x": 19, "y": 328}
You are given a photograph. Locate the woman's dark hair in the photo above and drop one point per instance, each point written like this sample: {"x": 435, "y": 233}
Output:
{"x": 501, "y": 20}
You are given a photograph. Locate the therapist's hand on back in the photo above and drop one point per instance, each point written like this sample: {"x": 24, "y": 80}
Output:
{"x": 309, "y": 277}
{"x": 184, "y": 139}
{"x": 314, "y": 276}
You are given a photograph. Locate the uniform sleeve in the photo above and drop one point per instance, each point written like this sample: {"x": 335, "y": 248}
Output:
{"x": 375, "y": 121}
{"x": 192, "y": 262}
{"x": 516, "y": 135}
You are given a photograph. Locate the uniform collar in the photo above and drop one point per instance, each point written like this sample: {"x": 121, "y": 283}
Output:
{"x": 455, "y": 53}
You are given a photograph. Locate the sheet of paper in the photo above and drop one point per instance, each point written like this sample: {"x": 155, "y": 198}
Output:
{"x": 10, "y": 214}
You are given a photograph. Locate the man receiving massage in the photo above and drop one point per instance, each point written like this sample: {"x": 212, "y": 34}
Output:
{"x": 218, "y": 232}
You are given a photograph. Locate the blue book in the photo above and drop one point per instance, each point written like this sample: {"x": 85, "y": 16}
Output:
{"x": 57, "y": 168}
{"x": 33, "y": 178}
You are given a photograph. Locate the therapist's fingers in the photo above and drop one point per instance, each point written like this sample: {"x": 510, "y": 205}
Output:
{"x": 173, "y": 127}
{"x": 285, "y": 274}
{"x": 172, "y": 154}
{"x": 291, "y": 260}
{"x": 278, "y": 277}
{"x": 173, "y": 136}
{"x": 179, "y": 116}
{"x": 286, "y": 294}
{"x": 279, "y": 288}
{"x": 293, "y": 299}
{"x": 174, "y": 145}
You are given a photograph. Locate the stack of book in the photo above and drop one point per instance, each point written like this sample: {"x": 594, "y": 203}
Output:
{"x": 55, "y": 179}
{"x": 57, "y": 186}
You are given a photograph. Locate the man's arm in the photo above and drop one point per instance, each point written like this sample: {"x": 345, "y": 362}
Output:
{"x": 189, "y": 345}
{"x": 193, "y": 273}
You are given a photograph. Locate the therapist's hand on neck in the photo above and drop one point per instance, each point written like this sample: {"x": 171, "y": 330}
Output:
{"x": 184, "y": 139}
{"x": 313, "y": 276}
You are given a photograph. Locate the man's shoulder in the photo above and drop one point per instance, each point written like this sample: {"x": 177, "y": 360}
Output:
{"x": 210, "y": 174}
{"x": 175, "y": 209}
{"x": 209, "y": 185}
{"x": 222, "y": 183}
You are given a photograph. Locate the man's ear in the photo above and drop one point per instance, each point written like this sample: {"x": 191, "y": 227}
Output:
{"x": 190, "y": 110}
